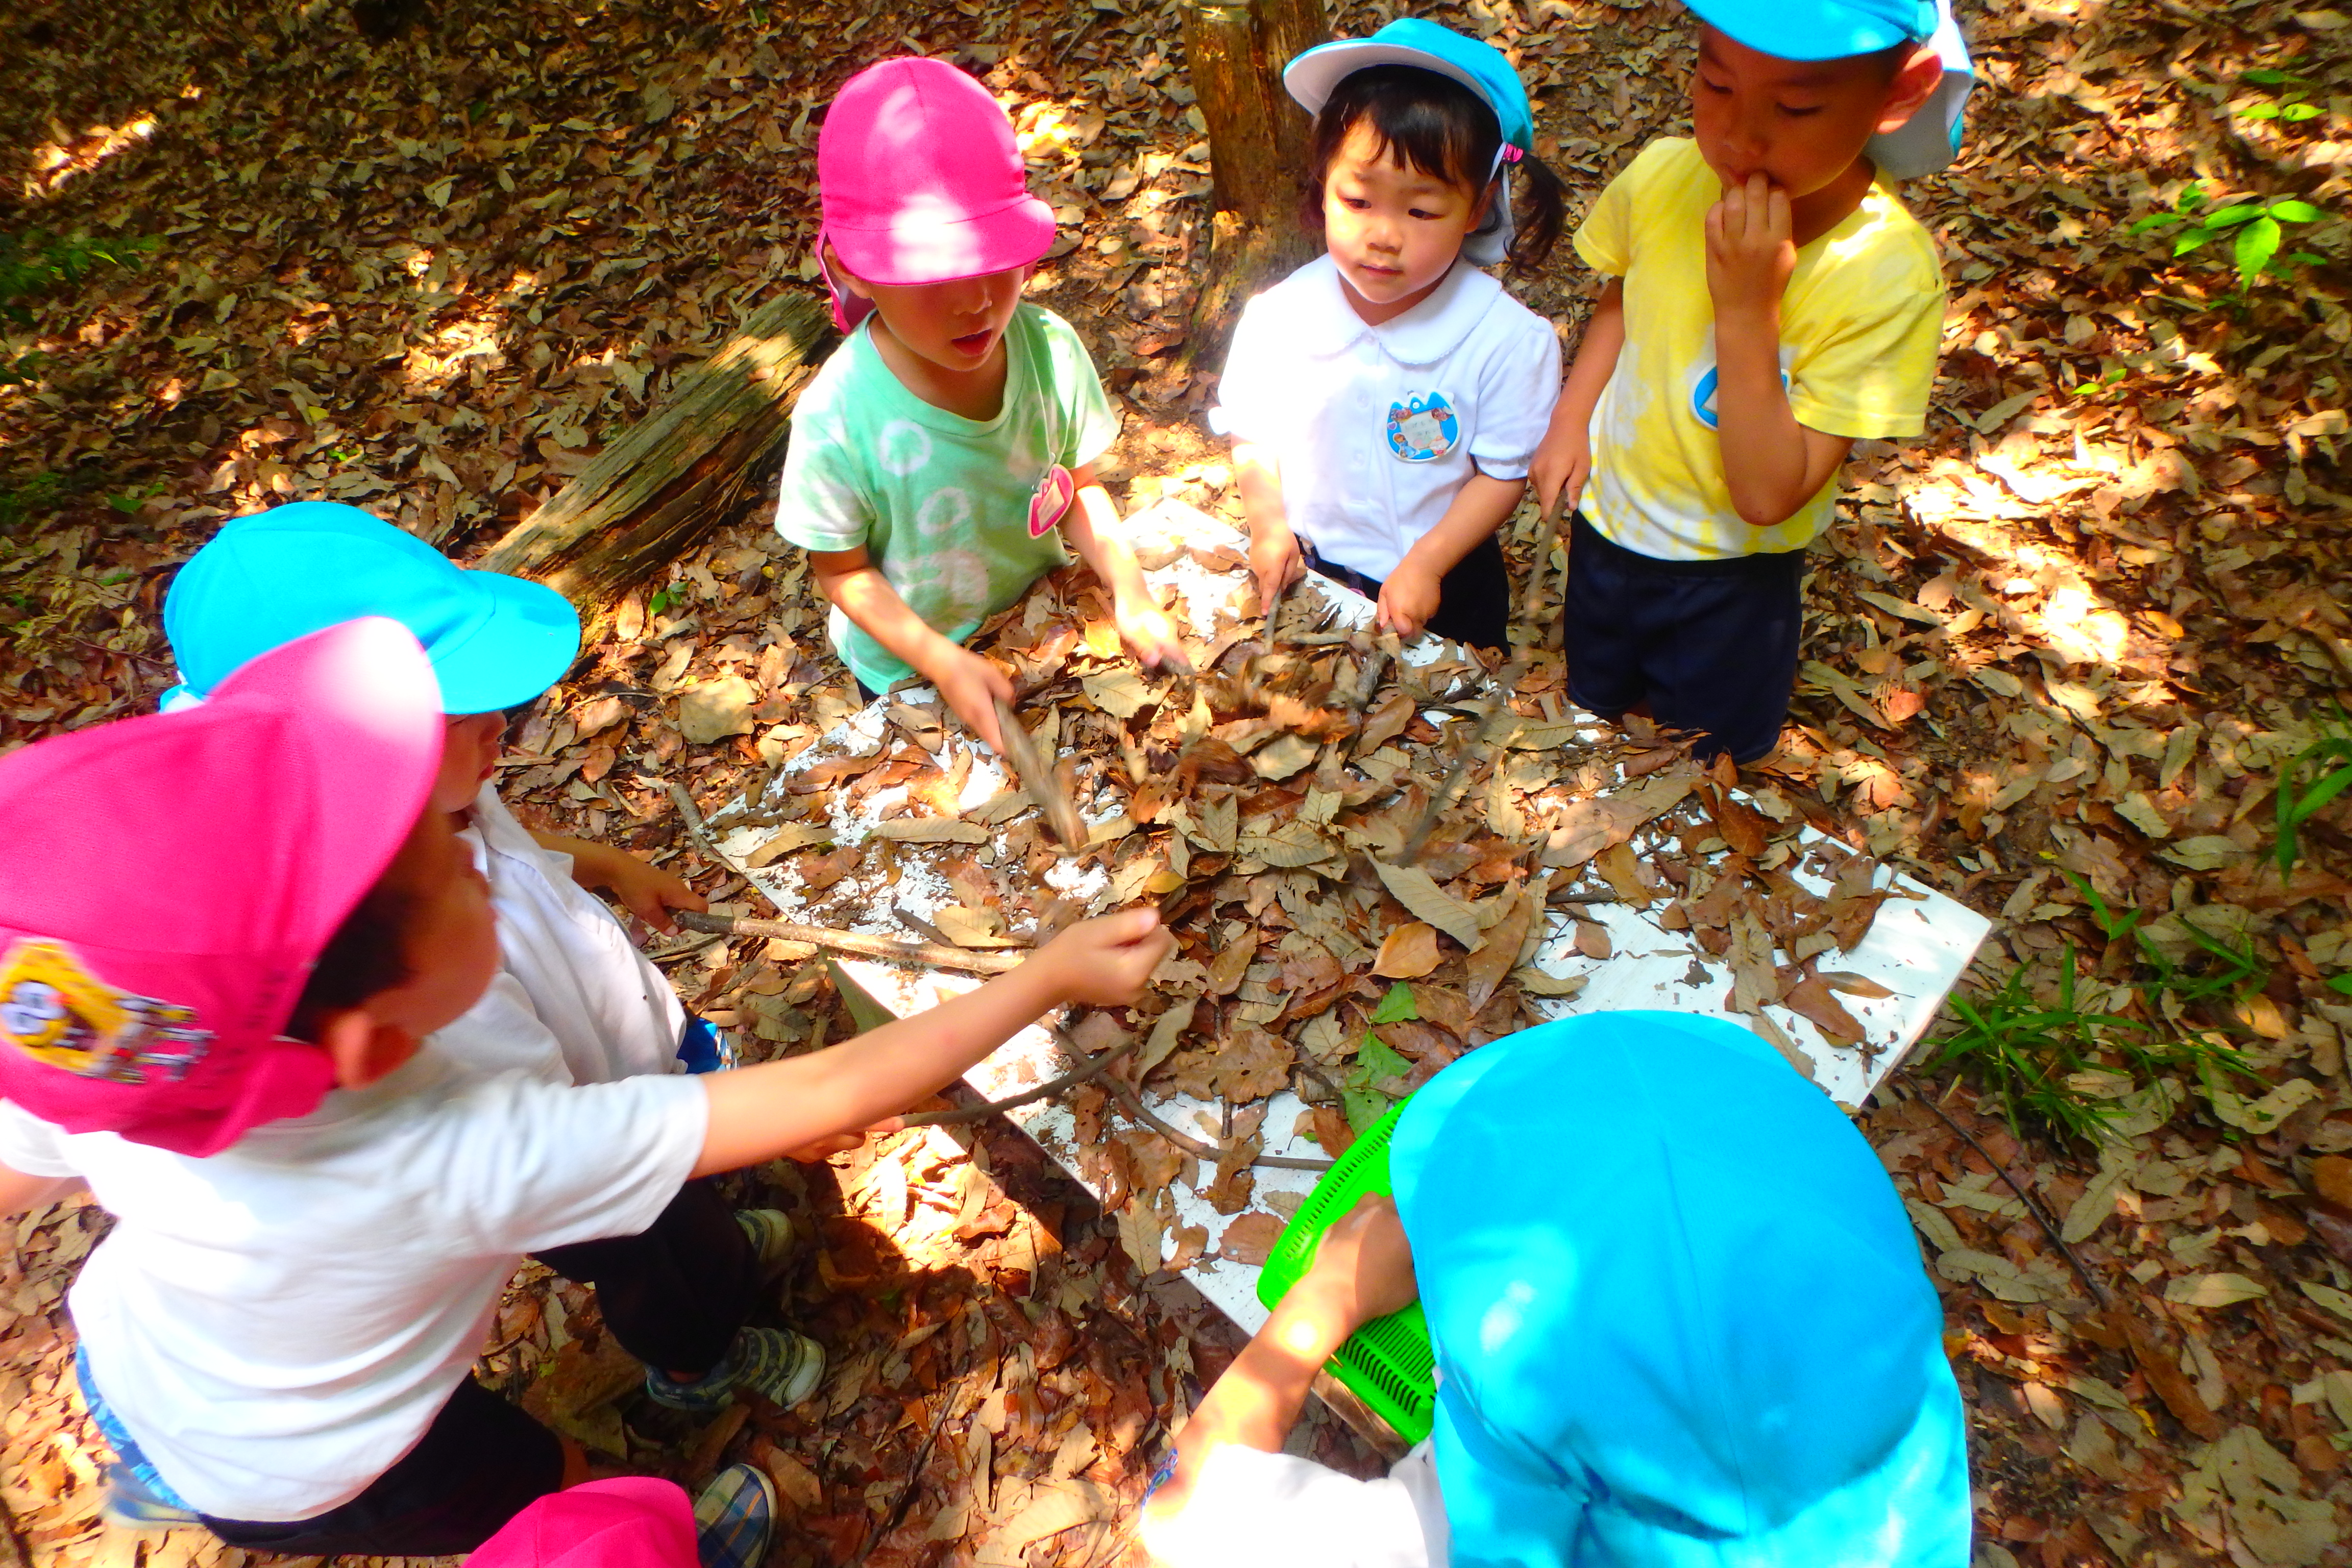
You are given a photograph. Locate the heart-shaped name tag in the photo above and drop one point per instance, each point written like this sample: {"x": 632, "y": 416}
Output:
{"x": 1053, "y": 498}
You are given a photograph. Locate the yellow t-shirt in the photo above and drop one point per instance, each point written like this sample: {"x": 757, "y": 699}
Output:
{"x": 1860, "y": 325}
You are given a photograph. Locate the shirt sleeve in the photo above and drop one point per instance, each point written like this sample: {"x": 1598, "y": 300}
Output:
{"x": 1254, "y": 1510}
{"x": 1870, "y": 376}
{"x": 820, "y": 504}
{"x": 1085, "y": 411}
{"x": 30, "y": 1146}
{"x": 1605, "y": 238}
{"x": 1239, "y": 414}
{"x": 1515, "y": 399}
{"x": 529, "y": 1164}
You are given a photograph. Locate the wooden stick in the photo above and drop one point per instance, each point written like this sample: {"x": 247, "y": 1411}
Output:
{"x": 1090, "y": 1068}
{"x": 1132, "y": 1103}
{"x": 1473, "y": 748}
{"x": 1038, "y": 777}
{"x": 930, "y": 956}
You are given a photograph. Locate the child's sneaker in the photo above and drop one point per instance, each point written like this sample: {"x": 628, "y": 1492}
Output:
{"x": 773, "y": 1237}
{"x": 778, "y": 1362}
{"x": 131, "y": 1504}
{"x": 735, "y": 1518}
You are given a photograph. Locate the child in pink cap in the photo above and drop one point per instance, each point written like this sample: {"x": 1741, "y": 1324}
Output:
{"x": 220, "y": 964}
{"x": 940, "y": 456}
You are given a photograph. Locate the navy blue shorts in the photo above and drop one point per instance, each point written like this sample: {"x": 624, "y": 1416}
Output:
{"x": 1474, "y": 600}
{"x": 1711, "y": 646}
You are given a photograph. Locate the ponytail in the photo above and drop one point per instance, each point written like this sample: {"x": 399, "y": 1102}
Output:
{"x": 1538, "y": 212}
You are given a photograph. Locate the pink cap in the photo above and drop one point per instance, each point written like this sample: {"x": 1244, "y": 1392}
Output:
{"x": 180, "y": 874}
{"x": 921, "y": 182}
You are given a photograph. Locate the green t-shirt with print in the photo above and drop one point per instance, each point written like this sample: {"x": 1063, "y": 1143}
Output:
{"x": 940, "y": 503}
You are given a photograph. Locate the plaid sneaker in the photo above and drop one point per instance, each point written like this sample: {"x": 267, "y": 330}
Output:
{"x": 735, "y": 1518}
{"x": 773, "y": 1237}
{"x": 131, "y": 1504}
{"x": 778, "y": 1362}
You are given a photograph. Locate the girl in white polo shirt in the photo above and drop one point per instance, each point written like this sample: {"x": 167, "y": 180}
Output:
{"x": 1384, "y": 400}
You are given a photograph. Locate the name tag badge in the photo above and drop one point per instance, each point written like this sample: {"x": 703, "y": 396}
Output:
{"x": 1052, "y": 499}
{"x": 1422, "y": 427}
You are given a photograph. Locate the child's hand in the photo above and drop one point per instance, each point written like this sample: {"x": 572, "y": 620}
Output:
{"x": 646, "y": 890}
{"x": 1750, "y": 249}
{"x": 649, "y": 892}
{"x": 1107, "y": 963}
{"x": 1363, "y": 1270}
{"x": 1408, "y": 598}
{"x": 1150, "y": 635}
{"x": 972, "y": 687}
{"x": 1562, "y": 463}
{"x": 1276, "y": 563}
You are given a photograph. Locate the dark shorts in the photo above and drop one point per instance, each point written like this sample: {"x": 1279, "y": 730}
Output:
{"x": 1474, "y": 600}
{"x": 1711, "y": 646}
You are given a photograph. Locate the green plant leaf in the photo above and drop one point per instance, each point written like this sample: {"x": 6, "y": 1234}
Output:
{"x": 2341, "y": 982}
{"x": 2300, "y": 111}
{"x": 2192, "y": 239}
{"x": 2258, "y": 112}
{"x": 1374, "y": 1062}
{"x": 2257, "y": 243}
{"x": 2157, "y": 220}
{"x": 2295, "y": 210}
{"x": 2192, "y": 199}
{"x": 2237, "y": 212}
{"x": 1396, "y": 1006}
{"x": 2267, "y": 76}
{"x": 1363, "y": 1107}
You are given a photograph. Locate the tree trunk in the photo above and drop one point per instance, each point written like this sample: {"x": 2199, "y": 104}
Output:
{"x": 659, "y": 488}
{"x": 1234, "y": 51}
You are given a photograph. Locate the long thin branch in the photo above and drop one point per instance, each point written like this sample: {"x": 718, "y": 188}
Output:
{"x": 1090, "y": 1068}
{"x": 2032, "y": 1205}
{"x": 1132, "y": 1103}
{"x": 931, "y": 956}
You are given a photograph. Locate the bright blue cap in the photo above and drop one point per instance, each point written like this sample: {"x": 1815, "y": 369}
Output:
{"x": 495, "y": 641}
{"x": 1819, "y": 29}
{"x": 1311, "y": 77}
{"x": 1679, "y": 1316}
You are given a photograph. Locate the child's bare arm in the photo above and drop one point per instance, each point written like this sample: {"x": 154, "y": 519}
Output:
{"x": 1409, "y": 594}
{"x": 1093, "y": 531}
{"x": 1274, "y": 550}
{"x": 760, "y": 1112}
{"x": 1771, "y": 464}
{"x": 1363, "y": 1271}
{"x": 1563, "y": 460}
{"x": 972, "y": 686}
{"x": 646, "y": 889}
{"x": 19, "y": 1191}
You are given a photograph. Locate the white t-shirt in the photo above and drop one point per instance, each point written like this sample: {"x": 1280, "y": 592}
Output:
{"x": 1254, "y": 1510}
{"x": 278, "y": 1324}
{"x": 568, "y": 964}
{"x": 1376, "y": 429}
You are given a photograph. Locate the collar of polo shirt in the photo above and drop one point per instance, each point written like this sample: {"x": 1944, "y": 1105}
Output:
{"x": 1422, "y": 335}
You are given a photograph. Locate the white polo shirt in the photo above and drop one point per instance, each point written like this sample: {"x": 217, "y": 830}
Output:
{"x": 1376, "y": 429}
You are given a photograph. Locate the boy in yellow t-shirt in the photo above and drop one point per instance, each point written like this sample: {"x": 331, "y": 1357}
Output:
{"x": 1769, "y": 302}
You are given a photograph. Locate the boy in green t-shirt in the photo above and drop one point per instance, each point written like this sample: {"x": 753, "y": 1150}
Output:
{"x": 1769, "y": 302}
{"x": 938, "y": 457}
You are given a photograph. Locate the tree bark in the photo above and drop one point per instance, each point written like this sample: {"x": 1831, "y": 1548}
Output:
{"x": 659, "y": 488}
{"x": 1234, "y": 51}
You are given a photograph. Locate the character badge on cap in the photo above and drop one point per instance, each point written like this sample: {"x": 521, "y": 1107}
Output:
{"x": 55, "y": 1011}
{"x": 1422, "y": 428}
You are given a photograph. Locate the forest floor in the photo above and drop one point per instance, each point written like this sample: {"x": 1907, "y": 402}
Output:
{"x": 428, "y": 256}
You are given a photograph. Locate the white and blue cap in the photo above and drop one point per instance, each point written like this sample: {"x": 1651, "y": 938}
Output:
{"x": 1838, "y": 29}
{"x": 1315, "y": 74}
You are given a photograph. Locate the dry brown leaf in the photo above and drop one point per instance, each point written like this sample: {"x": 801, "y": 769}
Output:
{"x": 1407, "y": 953}
{"x": 1250, "y": 1239}
{"x": 1418, "y": 891}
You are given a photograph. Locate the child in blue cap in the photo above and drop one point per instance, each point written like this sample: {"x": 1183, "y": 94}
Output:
{"x": 1384, "y": 400}
{"x": 575, "y": 1001}
{"x": 1677, "y": 1325}
{"x": 1769, "y": 302}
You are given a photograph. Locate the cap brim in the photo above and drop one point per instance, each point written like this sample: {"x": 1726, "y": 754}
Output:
{"x": 940, "y": 250}
{"x": 522, "y": 648}
{"x": 1312, "y": 77}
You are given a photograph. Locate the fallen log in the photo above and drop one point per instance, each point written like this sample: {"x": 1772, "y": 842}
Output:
{"x": 658, "y": 487}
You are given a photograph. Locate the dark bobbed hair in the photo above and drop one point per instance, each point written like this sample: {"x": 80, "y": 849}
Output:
{"x": 367, "y": 955}
{"x": 1430, "y": 122}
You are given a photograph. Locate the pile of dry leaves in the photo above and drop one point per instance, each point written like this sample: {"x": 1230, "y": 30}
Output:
{"x": 430, "y": 257}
